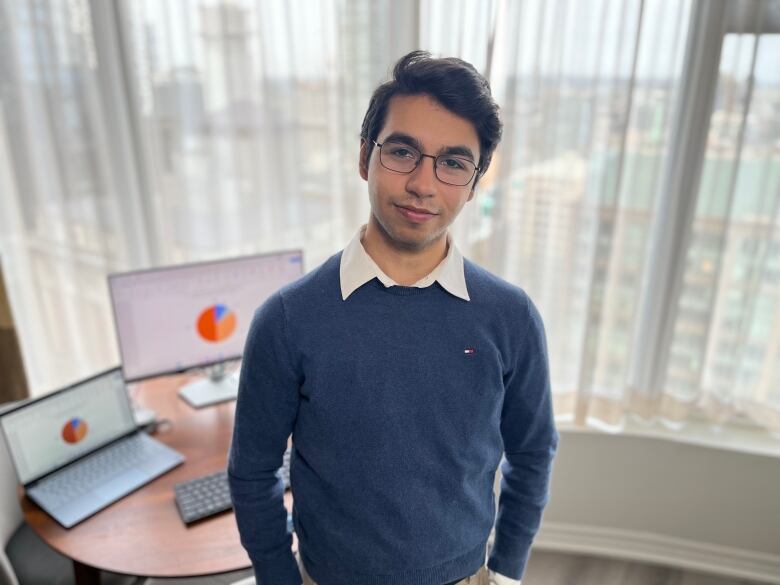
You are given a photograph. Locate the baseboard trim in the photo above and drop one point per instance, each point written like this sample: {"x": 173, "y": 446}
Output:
{"x": 661, "y": 549}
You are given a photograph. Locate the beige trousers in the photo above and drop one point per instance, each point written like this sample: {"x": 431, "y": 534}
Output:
{"x": 478, "y": 578}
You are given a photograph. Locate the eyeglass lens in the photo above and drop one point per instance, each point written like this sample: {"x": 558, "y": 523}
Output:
{"x": 403, "y": 158}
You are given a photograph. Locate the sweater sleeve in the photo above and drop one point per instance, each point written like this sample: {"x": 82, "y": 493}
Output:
{"x": 530, "y": 441}
{"x": 265, "y": 414}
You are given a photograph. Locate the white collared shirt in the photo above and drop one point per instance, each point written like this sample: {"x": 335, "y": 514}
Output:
{"x": 357, "y": 268}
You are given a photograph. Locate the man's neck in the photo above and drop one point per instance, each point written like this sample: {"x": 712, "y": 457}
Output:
{"x": 404, "y": 266}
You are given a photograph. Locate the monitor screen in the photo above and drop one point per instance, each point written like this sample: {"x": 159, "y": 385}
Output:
{"x": 179, "y": 317}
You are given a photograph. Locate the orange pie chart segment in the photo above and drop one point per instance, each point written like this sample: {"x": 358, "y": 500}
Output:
{"x": 216, "y": 323}
{"x": 74, "y": 430}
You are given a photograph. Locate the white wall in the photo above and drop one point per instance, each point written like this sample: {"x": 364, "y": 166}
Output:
{"x": 655, "y": 499}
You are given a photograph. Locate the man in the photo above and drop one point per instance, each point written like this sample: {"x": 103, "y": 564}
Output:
{"x": 402, "y": 371}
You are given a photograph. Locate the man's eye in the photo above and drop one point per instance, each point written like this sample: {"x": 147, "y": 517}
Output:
{"x": 452, "y": 163}
{"x": 401, "y": 152}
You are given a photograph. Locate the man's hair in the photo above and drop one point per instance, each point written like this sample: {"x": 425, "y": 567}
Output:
{"x": 452, "y": 82}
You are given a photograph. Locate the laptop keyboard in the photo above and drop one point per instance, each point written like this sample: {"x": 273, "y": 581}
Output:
{"x": 95, "y": 470}
{"x": 208, "y": 495}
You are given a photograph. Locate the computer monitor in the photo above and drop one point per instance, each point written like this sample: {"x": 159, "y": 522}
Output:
{"x": 175, "y": 318}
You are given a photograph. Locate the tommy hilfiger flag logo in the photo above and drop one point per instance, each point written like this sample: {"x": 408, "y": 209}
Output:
{"x": 469, "y": 350}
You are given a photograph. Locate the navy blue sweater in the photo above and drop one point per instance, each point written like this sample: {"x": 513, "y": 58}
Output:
{"x": 401, "y": 402}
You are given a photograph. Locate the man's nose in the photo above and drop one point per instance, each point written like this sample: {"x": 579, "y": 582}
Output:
{"x": 422, "y": 180}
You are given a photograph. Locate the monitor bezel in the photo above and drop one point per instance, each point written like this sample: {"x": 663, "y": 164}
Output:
{"x": 173, "y": 268}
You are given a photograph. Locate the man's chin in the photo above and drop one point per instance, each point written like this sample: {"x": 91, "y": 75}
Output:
{"x": 408, "y": 238}
{"x": 416, "y": 242}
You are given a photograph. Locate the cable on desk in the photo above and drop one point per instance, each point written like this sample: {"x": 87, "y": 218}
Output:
{"x": 161, "y": 426}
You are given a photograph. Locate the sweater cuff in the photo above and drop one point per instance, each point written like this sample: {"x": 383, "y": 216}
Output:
{"x": 278, "y": 570}
{"x": 509, "y": 558}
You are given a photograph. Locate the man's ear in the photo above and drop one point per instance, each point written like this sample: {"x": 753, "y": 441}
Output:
{"x": 473, "y": 189}
{"x": 362, "y": 163}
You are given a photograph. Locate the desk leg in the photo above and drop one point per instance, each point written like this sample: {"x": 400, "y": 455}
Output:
{"x": 86, "y": 575}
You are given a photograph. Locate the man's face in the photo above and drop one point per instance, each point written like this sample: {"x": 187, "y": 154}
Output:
{"x": 414, "y": 210}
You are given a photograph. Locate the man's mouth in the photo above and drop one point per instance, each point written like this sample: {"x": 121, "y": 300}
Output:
{"x": 415, "y": 214}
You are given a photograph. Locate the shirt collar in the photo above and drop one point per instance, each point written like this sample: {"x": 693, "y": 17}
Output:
{"x": 357, "y": 268}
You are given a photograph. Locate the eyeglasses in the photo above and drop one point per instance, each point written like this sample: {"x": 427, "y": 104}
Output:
{"x": 449, "y": 168}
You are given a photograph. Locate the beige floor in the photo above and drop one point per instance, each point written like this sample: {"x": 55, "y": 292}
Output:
{"x": 546, "y": 568}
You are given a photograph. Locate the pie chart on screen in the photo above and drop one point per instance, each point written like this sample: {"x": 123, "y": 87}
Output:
{"x": 216, "y": 323}
{"x": 74, "y": 430}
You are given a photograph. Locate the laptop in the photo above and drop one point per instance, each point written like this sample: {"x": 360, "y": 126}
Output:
{"x": 78, "y": 450}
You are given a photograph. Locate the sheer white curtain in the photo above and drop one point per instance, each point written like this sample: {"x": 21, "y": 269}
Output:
{"x": 588, "y": 91}
{"x": 64, "y": 223}
{"x": 147, "y": 133}
{"x": 725, "y": 349}
{"x": 660, "y": 298}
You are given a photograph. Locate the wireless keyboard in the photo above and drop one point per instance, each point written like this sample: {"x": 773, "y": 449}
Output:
{"x": 210, "y": 494}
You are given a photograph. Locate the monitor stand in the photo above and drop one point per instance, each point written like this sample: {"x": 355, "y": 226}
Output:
{"x": 217, "y": 387}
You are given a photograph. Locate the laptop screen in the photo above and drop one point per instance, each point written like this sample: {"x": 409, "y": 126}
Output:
{"x": 52, "y": 431}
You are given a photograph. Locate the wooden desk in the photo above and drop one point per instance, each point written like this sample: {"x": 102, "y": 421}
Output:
{"x": 142, "y": 534}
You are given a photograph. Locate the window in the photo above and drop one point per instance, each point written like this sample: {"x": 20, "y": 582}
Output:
{"x": 635, "y": 196}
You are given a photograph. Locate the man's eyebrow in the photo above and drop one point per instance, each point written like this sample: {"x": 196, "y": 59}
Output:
{"x": 459, "y": 150}
{"x": 403, "y": 139}
{"x": 464, "y": 151}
